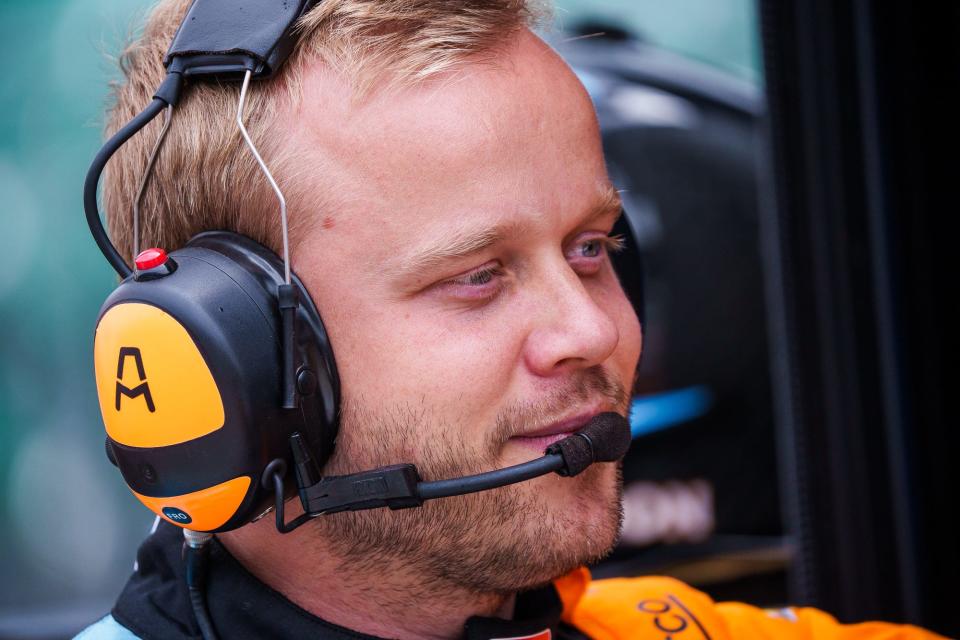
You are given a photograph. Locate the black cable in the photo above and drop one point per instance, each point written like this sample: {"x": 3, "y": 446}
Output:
{"x": 273, "y": 479}
{"x": 196, "y": 561}
{"x": 166, "y": 94}
{"x": 283, "y": 527}
{"x": 490, "y": 479}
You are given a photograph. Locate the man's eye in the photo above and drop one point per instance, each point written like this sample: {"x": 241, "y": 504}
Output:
{"x": 591, "y": 248}
{"x": 477, "y": 286}
{"x": 479, "y": 278}
{"x": 597, "y": 246}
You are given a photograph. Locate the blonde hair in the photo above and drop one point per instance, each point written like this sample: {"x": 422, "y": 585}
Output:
{"x": 204, "y": 177}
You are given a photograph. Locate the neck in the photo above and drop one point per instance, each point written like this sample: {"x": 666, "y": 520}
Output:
{"x": 384, "y": 598}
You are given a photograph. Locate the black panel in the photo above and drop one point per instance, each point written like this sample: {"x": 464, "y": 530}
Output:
{"x": 859, "y": 121}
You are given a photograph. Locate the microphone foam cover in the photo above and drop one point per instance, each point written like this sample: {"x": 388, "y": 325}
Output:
{"x": 610, "y": 435}
{"x": 606, "y": 438}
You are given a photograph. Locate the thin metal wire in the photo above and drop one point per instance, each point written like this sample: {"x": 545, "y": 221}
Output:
{"x": 145, "y": 180}
{"x": 266, "y": 172}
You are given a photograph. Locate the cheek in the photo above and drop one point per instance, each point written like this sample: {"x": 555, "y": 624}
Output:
{"x": 403, "y": 354}
{"x": 631, "y": 345}
{"x": 626, "y": 357}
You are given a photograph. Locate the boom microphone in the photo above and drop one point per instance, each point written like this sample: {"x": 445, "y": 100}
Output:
{"x": 606, "y": 438}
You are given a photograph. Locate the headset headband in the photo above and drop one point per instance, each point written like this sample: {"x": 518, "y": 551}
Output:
{"x": 225, "y": 39}
{"x": 218, "y": 39}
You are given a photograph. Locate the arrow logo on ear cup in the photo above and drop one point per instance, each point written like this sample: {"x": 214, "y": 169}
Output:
{"x": 142, "y": 389}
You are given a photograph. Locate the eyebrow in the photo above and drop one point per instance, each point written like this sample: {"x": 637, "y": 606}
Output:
{"x": 466, "y": 242}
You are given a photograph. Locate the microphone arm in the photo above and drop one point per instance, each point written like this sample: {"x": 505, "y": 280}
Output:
{"x": 604, "y": 439}
{"x": 490, "y": 479}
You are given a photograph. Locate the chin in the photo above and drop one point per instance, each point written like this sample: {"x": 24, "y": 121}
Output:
{"x": 582, "y": 524}
{"x": 592, "y": 505}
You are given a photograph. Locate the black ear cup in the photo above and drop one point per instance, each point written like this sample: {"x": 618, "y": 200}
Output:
{"x": 318, "y": 381}
{"x": 189, "y": 373}
{"x": 628, "y": 264}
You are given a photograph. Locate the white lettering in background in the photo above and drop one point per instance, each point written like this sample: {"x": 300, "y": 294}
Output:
{"x": 672, "y": 511}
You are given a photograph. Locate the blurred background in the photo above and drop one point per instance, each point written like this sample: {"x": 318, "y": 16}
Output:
{"x": 790, "y": 443}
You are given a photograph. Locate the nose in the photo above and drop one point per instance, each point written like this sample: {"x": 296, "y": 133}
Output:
{"x": 571, "y": 330}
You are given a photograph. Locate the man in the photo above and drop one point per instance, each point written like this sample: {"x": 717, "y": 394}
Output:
{"x": 451, "y": 217}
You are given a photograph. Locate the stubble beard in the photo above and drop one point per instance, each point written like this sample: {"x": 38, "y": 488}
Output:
{"x": 492, "y": 542}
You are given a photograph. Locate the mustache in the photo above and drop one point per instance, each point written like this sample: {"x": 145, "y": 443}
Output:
{"x": 589, "y": 385}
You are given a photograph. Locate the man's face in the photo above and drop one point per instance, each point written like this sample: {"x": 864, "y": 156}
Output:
{"x": 461, "y": 268}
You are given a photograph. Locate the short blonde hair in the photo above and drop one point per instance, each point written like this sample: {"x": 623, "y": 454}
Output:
{"x": 204, "y": 177}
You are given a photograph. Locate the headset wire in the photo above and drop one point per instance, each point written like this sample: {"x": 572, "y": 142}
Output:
{"x": 195, "y": 550}
{"x": 269, "y": 176}
{"x": 166, "y": 95}
{"x": 146, "y": 179}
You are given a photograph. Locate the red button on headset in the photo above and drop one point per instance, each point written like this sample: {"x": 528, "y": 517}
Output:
{"x": 150, "y": 258}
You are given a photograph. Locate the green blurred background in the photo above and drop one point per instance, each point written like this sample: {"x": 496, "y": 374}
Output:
{"x": 70, "y": 528}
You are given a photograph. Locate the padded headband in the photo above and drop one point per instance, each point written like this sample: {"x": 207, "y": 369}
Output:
{"x": 226, "y": 38}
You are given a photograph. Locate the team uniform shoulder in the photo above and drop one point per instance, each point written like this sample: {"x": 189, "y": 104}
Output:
{"x": 641, "y": 608}
{"x": 661, "y": 608}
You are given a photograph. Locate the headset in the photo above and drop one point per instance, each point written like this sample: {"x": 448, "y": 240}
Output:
{"x": 216, "y": 379}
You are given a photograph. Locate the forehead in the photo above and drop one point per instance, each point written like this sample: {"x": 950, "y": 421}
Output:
{"x": 509, "y": 137}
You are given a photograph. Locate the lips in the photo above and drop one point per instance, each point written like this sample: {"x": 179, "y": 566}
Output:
{"x": 542, "y": 437}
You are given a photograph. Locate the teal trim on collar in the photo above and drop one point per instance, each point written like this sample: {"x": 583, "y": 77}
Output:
{"x": 106, "y": 629}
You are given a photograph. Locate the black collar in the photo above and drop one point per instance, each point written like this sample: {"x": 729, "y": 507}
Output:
{"x": 154, "y": 604}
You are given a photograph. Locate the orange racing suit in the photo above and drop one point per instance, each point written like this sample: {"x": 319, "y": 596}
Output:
{"x": 658, "y": 608}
